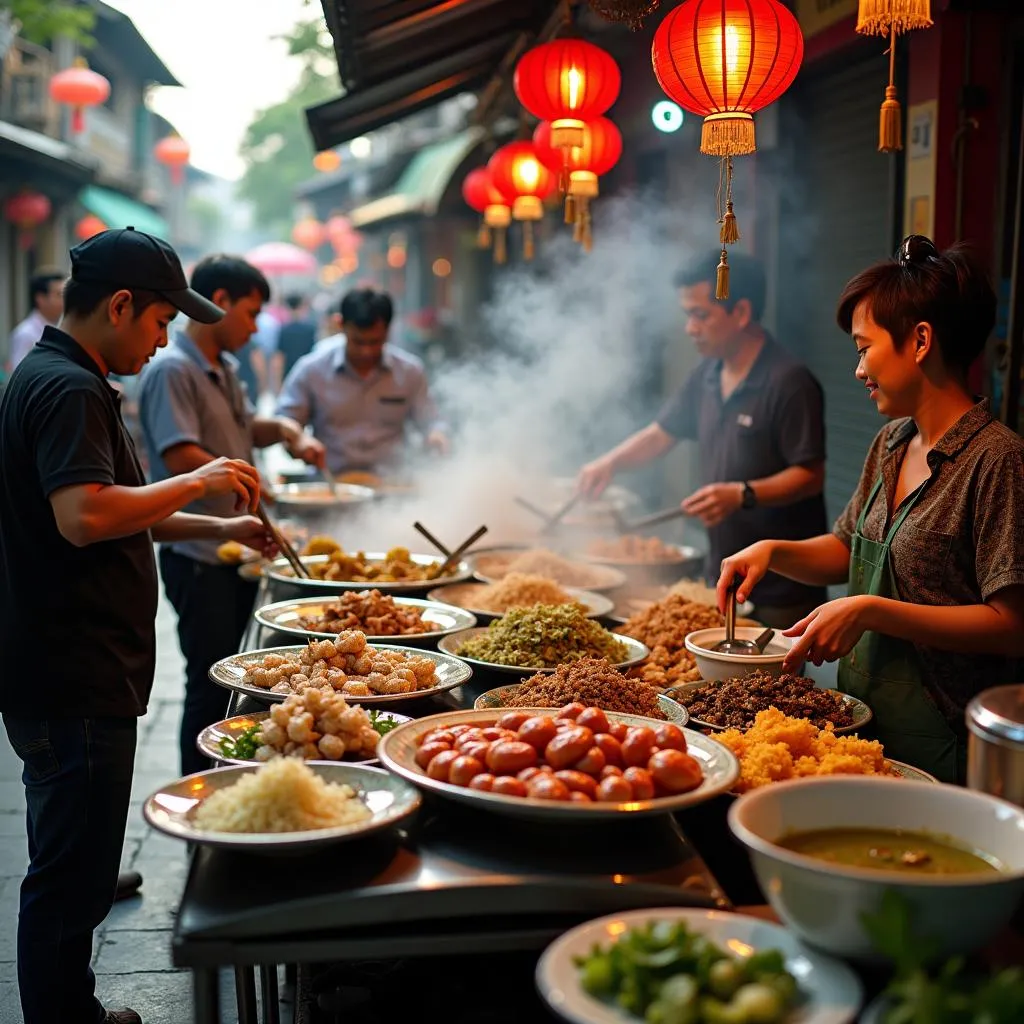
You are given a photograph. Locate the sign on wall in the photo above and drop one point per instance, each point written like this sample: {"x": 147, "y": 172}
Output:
{"x": 919, "y": 193}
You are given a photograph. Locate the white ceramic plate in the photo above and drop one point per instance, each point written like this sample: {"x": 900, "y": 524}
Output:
{"x": 397, "y": 751}
{"x": 832, "y": 993}
{"x": 493, "y": 700}
{"x": 282, "y": 572}
{"x": 171, "y": 808}
{"x": 230, "y": 673}
{"x": 461, "y": 595}
{"x": 451, "y": 644}
{"x": 286, "y": 617}
{"x": 208, "y": 741}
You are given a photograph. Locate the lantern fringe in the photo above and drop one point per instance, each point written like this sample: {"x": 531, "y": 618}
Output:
{"x": 722, "y": 277}
{"x": 730, "y": 229}
{"x": 500, "y": 246}
{"x": 483, "y": 236}
{"x": 588, "y": 235}
{"x": 890, "y": 118}
{"x": 577, "y": 226}
{"x": 529, "y": 248}
{"x": 570, "y": 209}
{"x": 880, "y": 17}
{"x": 728, "y": 136}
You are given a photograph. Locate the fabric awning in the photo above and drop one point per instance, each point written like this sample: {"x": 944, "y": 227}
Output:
{"x": 119, "y": 211}
{"x": 423, "y": 182}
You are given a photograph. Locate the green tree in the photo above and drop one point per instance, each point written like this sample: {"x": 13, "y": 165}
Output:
{"x": 277, "y": 150}
{"x": 42, "y": 20}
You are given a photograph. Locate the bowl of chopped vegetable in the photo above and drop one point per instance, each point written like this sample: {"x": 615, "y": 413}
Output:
{"x": 826, "y": 850}
{"x": 681, "y": 966}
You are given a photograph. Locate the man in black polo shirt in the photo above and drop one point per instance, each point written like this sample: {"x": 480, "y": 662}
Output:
{"x": 757, "y": 415}
{"x": 78, "y": 597}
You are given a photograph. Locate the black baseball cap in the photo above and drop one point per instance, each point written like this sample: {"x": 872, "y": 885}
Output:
{"x": 126, "y": 258}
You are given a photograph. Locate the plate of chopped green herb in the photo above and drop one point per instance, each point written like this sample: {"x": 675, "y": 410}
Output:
{"x": 540, "y": 638}
{"x": 675, "y": 965}
{"x": 236, "y": 740}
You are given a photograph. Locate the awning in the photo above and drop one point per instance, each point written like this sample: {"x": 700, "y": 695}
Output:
{"x": 453, "y": 46}
{"x": 118, "y": 211}
{"x": 423, "y": 182}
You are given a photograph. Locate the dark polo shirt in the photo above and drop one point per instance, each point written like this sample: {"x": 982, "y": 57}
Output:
{"x": 77, "y": 625}
{"x": 774, "y": 419}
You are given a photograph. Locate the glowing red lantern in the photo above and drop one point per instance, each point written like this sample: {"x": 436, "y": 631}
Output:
{"x": 338, "y": 231}
{"x": 174, "y": 152}
{"x": 26, "y": 210}
{"x": 480, "y": 194}
{"x": 567, "y": 82}
{"x": 81, "y": 88}
{"x": 524, "y": 182}
{"x": 309, "y": 234}
{"x": 88, "y": 226}
{"x": 725, "y": 60}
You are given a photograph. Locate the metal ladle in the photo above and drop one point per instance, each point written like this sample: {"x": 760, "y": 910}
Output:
{"x": 732, "y": 645}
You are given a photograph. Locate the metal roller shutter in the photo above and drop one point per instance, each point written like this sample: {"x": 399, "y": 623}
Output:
{"x": 850, "y": 196}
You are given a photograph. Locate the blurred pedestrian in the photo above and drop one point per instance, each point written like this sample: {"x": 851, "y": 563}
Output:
{"x": 46, "y": 299}
{"x": 296, "y": 338}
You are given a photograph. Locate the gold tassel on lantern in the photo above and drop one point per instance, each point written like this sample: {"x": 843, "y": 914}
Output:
{"x": 570, "y": 208}
{"x": 483, "y": 236}
{"x": 500, "y": 248}
{"x": 588, "y": 235}
{"x": 730, "y": 231}
{"x": 722, "y": 277}
{"x": 528, "y": 246}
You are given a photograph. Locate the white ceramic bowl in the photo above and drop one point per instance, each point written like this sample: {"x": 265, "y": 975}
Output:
{"x": 822, "y": 902}
{"x": 714, "y": 666}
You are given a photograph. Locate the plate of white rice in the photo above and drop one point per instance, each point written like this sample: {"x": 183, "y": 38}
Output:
{"x": 280, "y": 806}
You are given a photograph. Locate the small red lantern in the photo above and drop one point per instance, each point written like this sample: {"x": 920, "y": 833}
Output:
{"x": 338, "y": 231}
{"x": 81, "y": 88}
{"x": 524, "y": 182}
{"x": 26, "y": 210}
{"x": 309, "y": 234}
{"x": 725, "y": 60}
{"x": 480, "y": 194}
{"x": 174, "y": 152}
{"x": 88, "y": 226}
{"x": 567, "y": 82}
{"x": 327, "y": 160}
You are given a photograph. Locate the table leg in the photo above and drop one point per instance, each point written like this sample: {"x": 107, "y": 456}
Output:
{"x": 245, "y": 993}
{"x": 205, "y": 996}
{"x": 268, "y": 988}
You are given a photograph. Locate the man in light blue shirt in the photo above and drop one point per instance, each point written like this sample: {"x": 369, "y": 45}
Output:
{"x": 360, "y": 395}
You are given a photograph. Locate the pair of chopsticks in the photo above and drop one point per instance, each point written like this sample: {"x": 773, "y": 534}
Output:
{"x": 666, "y": 515}
{"x": 551, "y": 521}
{"x": 332, "y": 480}
{"x": 450, "y": 557}
{"x": 283, "y": 543}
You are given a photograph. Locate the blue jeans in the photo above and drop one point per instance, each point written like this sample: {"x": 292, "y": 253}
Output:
{"x": 78, "y": 784}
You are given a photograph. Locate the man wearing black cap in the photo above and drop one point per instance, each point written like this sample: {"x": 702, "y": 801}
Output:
{"x": 78, "y": 596}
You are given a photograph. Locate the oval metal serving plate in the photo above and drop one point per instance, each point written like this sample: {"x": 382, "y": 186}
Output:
{"x": 461, "y": 596}
{"x": 831, "y": 992}
{"x": 286, "y": 617}
{"x": 397, "y": 751}
{"x": 492, "y": 567}
{"x": 451, "y": 643}
{"x": 171, "y": 808}
{"x": 494, "y": 700}
{"x": 282, "y": 572}
{"x": 208, "y": 741}
{"x": 862, "y": 714}
{"x": 230, "y": 673}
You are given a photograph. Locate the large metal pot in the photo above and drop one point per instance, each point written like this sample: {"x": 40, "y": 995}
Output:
{"x": 995, "y": 746}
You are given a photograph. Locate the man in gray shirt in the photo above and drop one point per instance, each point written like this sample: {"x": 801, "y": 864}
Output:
{"x": 194, "y": 409}
{"x": 360, "y": 395}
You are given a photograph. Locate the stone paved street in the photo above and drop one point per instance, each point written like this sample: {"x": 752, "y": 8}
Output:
{"x": 132, "y": 956}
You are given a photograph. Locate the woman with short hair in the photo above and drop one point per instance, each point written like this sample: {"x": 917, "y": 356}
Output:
{"x": 931, "y": 544}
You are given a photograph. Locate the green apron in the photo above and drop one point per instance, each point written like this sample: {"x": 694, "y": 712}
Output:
{"x": 885, "y": 672}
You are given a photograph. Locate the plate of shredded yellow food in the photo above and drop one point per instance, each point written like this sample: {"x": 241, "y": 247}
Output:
{"x": 283, "y": 805}
{"x": 777, "y": 747}
{"x": 517, "y": 590}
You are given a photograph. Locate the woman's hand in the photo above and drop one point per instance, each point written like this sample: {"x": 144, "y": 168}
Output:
{"x": 251, "y": 532}
{"x": 748, "y": 567}
{"x": 829, "y": 632}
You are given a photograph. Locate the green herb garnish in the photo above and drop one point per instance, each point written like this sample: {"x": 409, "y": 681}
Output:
{"x": 243, "y": 747}
{"x": 382, "y": 725}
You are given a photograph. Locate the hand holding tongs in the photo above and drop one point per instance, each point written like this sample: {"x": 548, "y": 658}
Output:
{"x": 283, "y": 543}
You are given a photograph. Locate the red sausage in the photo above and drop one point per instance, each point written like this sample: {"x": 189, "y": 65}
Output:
{"x": 441, "y": 764}
{"x": 610, "y": 747}
{"x": 669, "y": 737}
{"x": 568, "y": 747}
{"x": 512, "y": 720}
{"x": 638, "y": 746}
{"x": 507, "y": 785}
{"x": 464, "y": 769}
{"x": 547, "y": 787}
{"x": 642, "y": 782}
{"x": 538, "y": 731}
{"x": 675, "y": 772}
{"x": 428, "y": 752}
{"x": 592, "y": 762}
{"x": 594, "y": 719}
{"x": 483, "y": 783}
{"x": 614, "y": 790}
{"x": 506, "y": 757}
{"x": 573, "y": 710}
{"x": 578, "y": 782}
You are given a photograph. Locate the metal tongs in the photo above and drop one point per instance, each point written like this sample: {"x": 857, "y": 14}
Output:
{"x": 332, "y": 480}
{"x": 731, "y": 644}
{"x": 665, "y": 516}
{"x": 450, "y": 557}
{"x": 551, "y": 521}
{"x": 283, "y": 543}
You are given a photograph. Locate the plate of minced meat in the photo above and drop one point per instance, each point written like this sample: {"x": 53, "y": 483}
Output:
{"x": 734, "y": 704}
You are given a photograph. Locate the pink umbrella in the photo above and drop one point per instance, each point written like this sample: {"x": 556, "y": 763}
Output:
{"x": 279, "y": 258}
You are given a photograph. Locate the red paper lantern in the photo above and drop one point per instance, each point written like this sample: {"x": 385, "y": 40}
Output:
{"x": 725, "y": 60}
{"x": 309, "y": 234}
{"x": 524, "y": 182}
{"x": 567, "y": 82}
{"x": 88, "y": 226}
{"x": 174, "y": 152}
{"x": 481, "y": 195}
{"x": 26, "y": 210}
{"x": 81, "y": 88}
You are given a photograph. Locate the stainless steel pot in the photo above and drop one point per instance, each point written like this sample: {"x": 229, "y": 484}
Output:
{"x": 995, "y": 746}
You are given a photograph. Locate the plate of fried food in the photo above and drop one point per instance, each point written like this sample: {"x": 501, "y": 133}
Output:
{"x": 281, "y": 806}
{"x": 734, "y": 703}
{"x": 573, "y": 764}
{"x": 346, "y": 664}
{"x": 312, "y": 725}
{"x": 488, "y": 601}
{"x": 381, "y": 617}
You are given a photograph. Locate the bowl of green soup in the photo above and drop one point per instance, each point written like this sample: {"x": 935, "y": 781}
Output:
{"x": 826, "y": 849}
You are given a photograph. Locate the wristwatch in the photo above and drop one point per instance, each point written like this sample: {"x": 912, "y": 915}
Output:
{"x": 749, "y": 497}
